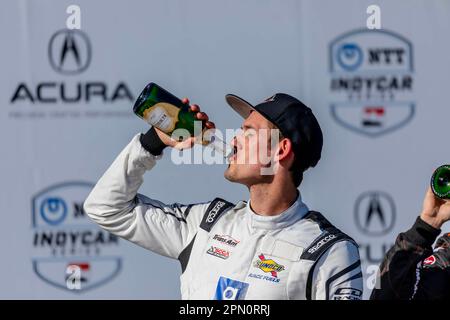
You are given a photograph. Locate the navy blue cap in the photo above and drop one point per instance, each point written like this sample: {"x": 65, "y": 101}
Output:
{"x": 295, "y": 121}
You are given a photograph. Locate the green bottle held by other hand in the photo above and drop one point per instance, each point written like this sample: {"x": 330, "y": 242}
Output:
{"x": 163, "y": 110}
{"x": 440, "y": 182}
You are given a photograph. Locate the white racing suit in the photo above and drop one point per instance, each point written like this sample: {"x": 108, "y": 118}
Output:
{"x": 227, "y": 251}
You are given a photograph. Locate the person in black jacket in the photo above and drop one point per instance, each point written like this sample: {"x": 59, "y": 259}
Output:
{"x": 411, "y": 270}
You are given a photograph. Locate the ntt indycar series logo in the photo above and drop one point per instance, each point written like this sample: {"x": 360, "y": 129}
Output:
{"x": 69, "y": 251}
{"x": 371, "y": 81}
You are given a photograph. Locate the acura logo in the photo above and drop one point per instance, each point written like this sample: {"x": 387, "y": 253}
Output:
{"x": 375, "y": 213}
{"x": 69, "y": 51}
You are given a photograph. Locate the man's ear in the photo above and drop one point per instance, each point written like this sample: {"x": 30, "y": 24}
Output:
{"x": 285, "y": 150}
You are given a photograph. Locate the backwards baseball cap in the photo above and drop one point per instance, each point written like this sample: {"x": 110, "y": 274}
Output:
{"x": 295, "y": 121}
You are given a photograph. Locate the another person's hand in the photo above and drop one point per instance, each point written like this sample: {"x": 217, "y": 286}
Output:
{"x": 189, "y": 142}
{"x": 435, "y": 211}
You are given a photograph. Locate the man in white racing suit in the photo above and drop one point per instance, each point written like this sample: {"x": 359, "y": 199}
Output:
{"x": 271, "y": 247}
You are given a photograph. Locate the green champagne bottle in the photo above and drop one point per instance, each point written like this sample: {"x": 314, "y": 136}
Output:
{"x": 163, "y": 110}
{"x": 440, "y": 182}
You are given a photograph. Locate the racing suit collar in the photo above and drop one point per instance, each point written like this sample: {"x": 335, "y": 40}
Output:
{"x": 292, "y": 214}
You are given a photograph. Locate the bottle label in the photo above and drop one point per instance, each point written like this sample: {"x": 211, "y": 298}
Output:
{"x": 163, "y": 116}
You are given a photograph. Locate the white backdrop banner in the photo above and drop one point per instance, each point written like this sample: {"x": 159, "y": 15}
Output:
{"x": 66, "y": 112}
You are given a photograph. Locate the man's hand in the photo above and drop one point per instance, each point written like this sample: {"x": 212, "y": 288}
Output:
{"x": 189, "y": 142}
{"x": 435, "y": 211}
